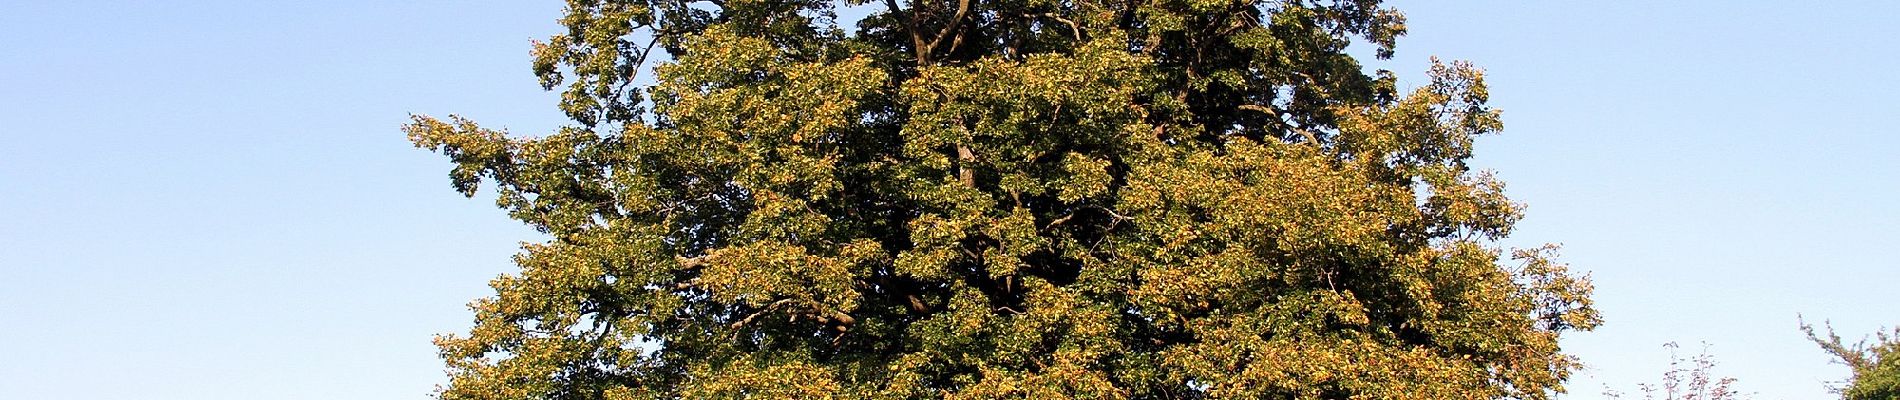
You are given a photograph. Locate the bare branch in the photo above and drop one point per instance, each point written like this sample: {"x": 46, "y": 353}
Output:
{"x": 1118, "y": 218}
{"x": 955, "y": 23}
{"x": 692, "y": 263}
{"x": 755, "y": 315}
{"x": 965, "y": 172}
{"x": 1059, "y": 221}
{"x": 1073, "y": 27}
{"x": 910, "y": 26}
{"x": 916, "y": 304}
{"x": 642, "y": 59}
{"x": 1310, "y": 137}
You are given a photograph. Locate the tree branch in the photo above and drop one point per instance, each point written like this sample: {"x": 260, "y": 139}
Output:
{"x": 692, "y": 263}
{"x": 1073, "y": 27}
{"x": 965, "y": 157}
{"x": 916, "y": 303}
{"x": 955, "y": 23}
{"x": 910, "y": 26}
{"x": 755, "y": 315}
{"x": 1310, "y": 137}
{"x": 642, "y": 59}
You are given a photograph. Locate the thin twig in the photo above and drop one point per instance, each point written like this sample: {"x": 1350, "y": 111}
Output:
{"x": 1310, "y": 137}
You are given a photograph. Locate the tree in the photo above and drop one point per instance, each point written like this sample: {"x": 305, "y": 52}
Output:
{"x": 1876, "y": 366}
{"x": 1696, "y": 381}
{"x": 1002, "y": 199}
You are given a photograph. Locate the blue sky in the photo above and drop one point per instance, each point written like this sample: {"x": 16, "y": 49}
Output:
{"x": 211, "y": 199}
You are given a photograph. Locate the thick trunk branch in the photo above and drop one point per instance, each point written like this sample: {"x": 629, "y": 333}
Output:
{"x": 910, "y": 27}
{"x": 965, "y": 171}
{"x": 953, "y": 25}
{"x": 916, "y": 303}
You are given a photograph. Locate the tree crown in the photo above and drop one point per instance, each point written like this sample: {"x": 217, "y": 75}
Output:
{"x": 1002, "y": 199}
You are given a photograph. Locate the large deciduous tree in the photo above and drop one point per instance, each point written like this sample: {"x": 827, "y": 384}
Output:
{"x": 1141, "y": 199}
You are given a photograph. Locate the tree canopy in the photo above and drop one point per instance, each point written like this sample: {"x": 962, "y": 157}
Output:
{"x": 1875, "y": 366}
{"x": 1146, "y": 199}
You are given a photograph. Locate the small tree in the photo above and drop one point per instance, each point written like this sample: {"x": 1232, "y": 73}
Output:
{"x": 1876, "y": 365}
{"x": 1687, "y": 379}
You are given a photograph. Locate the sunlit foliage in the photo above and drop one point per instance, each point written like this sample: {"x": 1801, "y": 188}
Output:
{"x": 1875, "y": 364}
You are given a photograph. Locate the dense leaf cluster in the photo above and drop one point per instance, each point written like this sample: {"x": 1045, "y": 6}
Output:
{"x": 1142, "y": 199}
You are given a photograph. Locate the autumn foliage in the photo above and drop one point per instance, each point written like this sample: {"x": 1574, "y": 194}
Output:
{"x": 1160, "y": 199}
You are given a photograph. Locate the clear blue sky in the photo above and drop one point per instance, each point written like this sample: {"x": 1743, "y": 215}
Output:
{"x": 211, "y": 199}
